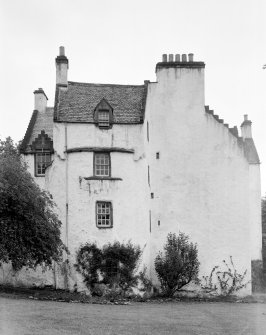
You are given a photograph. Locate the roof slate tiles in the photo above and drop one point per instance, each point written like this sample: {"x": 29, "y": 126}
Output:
{"x": 44, "y": 122}
{"x": 39, "y": 121}
{"x": 78, "y": 102}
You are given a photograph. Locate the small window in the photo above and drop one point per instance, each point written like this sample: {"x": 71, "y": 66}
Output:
{"x": 104, "y": 119}
{"x": 104, "y": 214}
{"x": 42, "y": 160}
{"x": 102, "y": 166}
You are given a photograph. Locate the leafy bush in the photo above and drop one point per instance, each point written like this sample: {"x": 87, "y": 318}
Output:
{"x": 120, "y": 263}
{"x": 226, "y": 282}
{"x": 114, "y": 265}
{"x": 178, "y": 265}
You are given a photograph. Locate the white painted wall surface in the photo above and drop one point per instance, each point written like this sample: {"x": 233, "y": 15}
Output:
{"x": 128, "y": 196}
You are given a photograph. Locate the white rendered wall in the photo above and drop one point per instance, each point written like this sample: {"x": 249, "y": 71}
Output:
{"x": 200, "y": 183}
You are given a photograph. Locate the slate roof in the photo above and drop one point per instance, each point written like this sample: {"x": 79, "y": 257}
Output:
{"x": 78, "y": 102}
{"x": 39, "y": 121}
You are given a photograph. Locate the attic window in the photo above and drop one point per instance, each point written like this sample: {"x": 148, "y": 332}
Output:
{"x": 103, "y": 118}
{"x": 103, "y": 114}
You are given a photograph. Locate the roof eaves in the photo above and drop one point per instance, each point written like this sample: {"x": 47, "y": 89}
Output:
{"x": 97, "y": 84}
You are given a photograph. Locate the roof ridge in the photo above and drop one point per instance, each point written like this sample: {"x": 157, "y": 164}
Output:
{"x": 98, "y": 84}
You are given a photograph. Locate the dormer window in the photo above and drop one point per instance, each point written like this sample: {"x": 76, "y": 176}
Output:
{"x": 104, "y": 118}
{"x": 103, "y": 114}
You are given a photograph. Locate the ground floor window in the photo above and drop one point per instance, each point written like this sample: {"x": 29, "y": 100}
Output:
{"x": 42, "y": 160}
{"x": 104, "y": 214}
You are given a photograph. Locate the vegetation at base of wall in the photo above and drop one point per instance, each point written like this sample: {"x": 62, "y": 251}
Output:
{"x": 120, "y": 262}
{"x": 146, "y": 283}
{"x": 224, "y": 283}
{"x": 111, "y": 269}
{"x": 178, "y": 265}
{"x": 30, "y": 230}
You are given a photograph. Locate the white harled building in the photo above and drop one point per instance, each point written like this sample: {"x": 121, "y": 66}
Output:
{"x": 135, "y": 162}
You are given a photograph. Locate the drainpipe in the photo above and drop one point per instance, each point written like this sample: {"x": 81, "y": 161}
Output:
{"x": 66, "y": 190}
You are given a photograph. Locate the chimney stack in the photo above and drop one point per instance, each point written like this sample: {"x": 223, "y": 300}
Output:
{"x": 40, "y": 100}
{"x": 246, "y": 128}
{"x": 61, "y": 63}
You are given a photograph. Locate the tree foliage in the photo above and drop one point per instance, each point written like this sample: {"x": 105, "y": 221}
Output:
{"x": 178, "y": 265}
{"x": 30, "y": 230}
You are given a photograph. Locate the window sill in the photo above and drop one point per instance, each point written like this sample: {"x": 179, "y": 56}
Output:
{"x": 101, "y": 178}
{"x": 110, "y": 227}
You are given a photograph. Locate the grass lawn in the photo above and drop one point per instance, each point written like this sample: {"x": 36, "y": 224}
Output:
{"x": 26, "y": 316}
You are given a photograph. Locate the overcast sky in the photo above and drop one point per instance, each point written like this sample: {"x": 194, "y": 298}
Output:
{"x": 120, "y": 41}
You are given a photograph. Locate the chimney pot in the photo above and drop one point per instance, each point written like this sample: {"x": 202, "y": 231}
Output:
{"x": 171, "y": 58}
{"x": 190, "y": 57}
{"x": 40, "y": 100}
{"x": 177, "y": 58}
{"x": 184, "y": 57}
{"x": 62, "y": 51}
{"x": 164, "y": 57}
{"x": 246, "y": 128}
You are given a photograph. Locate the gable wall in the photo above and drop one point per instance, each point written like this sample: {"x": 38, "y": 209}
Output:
{"x": 200, "y": 183}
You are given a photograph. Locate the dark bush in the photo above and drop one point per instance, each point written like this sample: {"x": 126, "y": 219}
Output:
{"x": 178, "y": 265}
{"x": 120, "y": 263}
{"x": 113, "y": 265}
